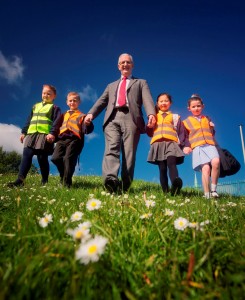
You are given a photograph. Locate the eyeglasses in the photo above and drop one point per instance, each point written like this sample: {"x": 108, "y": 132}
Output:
{"x": 125, "y": 62}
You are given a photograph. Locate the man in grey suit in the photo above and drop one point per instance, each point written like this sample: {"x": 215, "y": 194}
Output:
{"x": 123, "y": 124}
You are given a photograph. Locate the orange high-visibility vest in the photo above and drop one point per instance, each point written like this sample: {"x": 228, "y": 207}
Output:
{"x": 200, "y": 133}
{"x": 165, "y": 129}
{"x": 71, "y": 122}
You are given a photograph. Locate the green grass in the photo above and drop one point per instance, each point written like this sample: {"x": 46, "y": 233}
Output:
{"x": 143, "y": 259}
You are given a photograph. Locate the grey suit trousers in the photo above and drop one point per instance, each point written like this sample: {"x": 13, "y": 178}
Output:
{"x": 121, "y": 136}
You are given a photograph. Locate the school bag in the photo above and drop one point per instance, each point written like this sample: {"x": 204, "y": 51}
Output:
{"x": 229, "y": 165}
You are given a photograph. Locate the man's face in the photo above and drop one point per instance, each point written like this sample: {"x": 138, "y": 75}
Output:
{"x": 125, "y": 65}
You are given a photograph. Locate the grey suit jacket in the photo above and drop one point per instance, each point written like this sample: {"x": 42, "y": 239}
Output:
{"x": 138, "y": 94}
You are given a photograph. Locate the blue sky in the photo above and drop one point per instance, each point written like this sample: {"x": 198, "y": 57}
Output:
{"x": 180, "y": 47}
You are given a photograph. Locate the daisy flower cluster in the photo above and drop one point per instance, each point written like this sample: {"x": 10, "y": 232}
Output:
{"x": 90, "y": 248}
{"x": 183, "y": 223}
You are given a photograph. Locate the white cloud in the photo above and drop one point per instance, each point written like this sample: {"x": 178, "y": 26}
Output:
{"x": 91, "y": 136}
{"x": 11, "y": 69}
{"x": 10, "y": 138}
{"x": 88, "y": 94}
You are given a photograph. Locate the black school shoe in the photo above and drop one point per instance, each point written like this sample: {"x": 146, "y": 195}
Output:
{"x": 112, "y": 185}
{"x": 17, "y": 183}
{"x": 176, "y": 186}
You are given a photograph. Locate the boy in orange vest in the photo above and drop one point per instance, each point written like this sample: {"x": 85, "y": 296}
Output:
{"x": 70, "y": 140}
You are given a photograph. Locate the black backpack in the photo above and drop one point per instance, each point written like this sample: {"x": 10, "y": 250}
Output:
{"x": 229, "y": 165}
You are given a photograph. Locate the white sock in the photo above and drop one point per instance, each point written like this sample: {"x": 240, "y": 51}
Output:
{"x": 213, "y": 187}
{"x": 207, "y": 195}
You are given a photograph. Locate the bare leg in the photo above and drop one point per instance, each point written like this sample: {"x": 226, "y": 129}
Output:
{"x": 206, "y": 178}
{"x": 215, "y": 163}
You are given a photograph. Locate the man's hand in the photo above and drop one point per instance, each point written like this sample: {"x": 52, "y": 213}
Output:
{"x": 88, "y": 119}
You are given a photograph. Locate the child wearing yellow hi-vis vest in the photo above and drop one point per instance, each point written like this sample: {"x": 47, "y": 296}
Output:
{"x": 38, "y": 135}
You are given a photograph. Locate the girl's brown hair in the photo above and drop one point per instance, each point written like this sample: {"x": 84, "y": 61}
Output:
{"x": 194, "y": 97}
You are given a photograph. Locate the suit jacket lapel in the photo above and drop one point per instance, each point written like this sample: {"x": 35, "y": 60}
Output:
{"x": 131, "y": 82}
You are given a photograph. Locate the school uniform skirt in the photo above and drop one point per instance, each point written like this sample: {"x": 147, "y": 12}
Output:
{"x": 37, "y": 141}
{"x": 203, "y": 155}
{"x": 160, "y": 151}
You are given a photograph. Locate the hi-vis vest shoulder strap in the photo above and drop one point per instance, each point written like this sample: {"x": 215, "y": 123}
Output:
{"x": 41, "y": 118}
{"x": 166, "y": 128}
{"x": 200, "y": 132}
{"x": 72, "y": 122}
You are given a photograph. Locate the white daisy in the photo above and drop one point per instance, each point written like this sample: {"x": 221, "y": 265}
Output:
{"x": 85, "y": 225}
{"x": 79, "y": 233}
{"x": 45, "y": 220}
{"x": 169, "y": 212}
{"x": 91, "y": 250}
{"x": 145, "y": 216}
{"x": 77, "y": 216}
{"x": 150, "y": 203}
{"x": 93, "y": 204}
{"x": 194, "y": 225}
{"x": 181, "y": 223}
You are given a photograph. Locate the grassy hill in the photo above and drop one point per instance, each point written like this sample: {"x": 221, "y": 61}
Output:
{"x": 84, "y": 243}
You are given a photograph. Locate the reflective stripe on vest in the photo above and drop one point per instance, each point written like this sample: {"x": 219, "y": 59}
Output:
{"x": 164, "y": 129}
{"x": 199, "y": 132}
{"x": 41, "y": 118}
{"x": 71, "y": 122}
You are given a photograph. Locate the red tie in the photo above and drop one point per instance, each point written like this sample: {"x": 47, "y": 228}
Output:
{"x": 122, "y": 92}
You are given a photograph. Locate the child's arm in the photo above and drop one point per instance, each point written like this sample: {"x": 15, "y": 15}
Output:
{"x": 54, "y": 131}
{"x": 186, "y": 143}
{"x": 182, "y": 134}
{"x": 149, "y": 131}
{"x": 87, "y": 129}
{"x": 25, "y": 128}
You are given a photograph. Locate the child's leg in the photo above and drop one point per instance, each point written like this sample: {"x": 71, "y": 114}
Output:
{"x": 57, "y": 157}
{"x": 26, "y": 162}
{"x": 73, "y": 150}
{"x": 174, "y": 175}
{"x": 173, "y": 171}
{"x": 163, "y": 175}
{"x": 43, "y": 162}
{"x": 206, "y": 169}
{"x": 215, "y": 164}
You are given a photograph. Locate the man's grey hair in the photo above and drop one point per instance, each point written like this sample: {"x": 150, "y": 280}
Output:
{"x": 131, "y": 57}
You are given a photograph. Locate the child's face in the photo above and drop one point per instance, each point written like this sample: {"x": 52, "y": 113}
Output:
{"x": 163, "y": 103}
{"x": 73, "y": 102}
{"x": 196, "y": 107}
{"x": 48, "y": 95}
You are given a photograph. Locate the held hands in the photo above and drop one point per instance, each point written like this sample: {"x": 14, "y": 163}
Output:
{"x": 22, "y": 138}
{"x": 151, "y": 121}
{"x": 88, "y": 119}
{"x": 50, "y": 138}
{"x": 187, "y": 150}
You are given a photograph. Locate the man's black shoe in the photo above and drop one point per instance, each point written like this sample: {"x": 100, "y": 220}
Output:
{"x": 112, "y": 185}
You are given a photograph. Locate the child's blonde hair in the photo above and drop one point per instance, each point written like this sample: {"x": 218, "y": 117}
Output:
{"x": 74, "y": 94}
